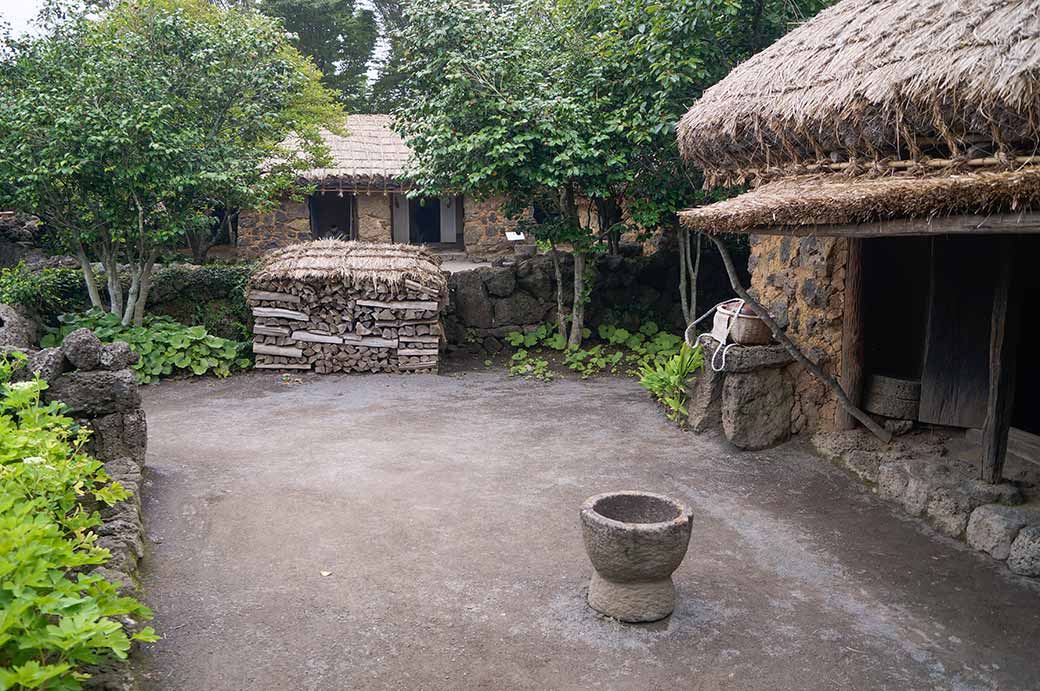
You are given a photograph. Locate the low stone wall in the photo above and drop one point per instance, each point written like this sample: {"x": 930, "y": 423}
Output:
{"x": 100, "y": 390}
{"x": 801, "y": 281}
{"x": 925, "y": 474}
{"x": 488, "y": 302}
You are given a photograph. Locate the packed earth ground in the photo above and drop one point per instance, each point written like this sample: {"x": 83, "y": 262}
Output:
{"x": 422, "y": 532}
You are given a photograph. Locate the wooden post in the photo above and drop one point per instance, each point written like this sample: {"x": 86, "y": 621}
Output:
{"x": 852, "y": 375}
{"x": 1003, "y": 339}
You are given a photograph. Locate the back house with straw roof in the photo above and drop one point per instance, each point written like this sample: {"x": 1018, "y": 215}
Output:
{"x": 364, "y": 196}
{"x": 336, "y": 306}
{"x": 890, "y": 147}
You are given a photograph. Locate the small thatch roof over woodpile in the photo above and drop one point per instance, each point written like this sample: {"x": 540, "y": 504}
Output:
{"x": 871, "y": 79}
{"x": 370, "y": 155}
{"x": 359, "y": 264}
{"x": 831, "y": 199}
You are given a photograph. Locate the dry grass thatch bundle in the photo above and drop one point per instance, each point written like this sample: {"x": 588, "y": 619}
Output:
{"x": 870, "y": 79}
{"x": 339, "y": 306}
{"x": 368, "y": 155}
{"x": 830, "y": 199}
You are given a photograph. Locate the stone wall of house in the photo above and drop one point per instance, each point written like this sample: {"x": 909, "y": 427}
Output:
{"x": 801, "y": 282}
{"x": 374, "y": 217}
{"x": 260, "y": 232}
{"x": 485, "y": 226}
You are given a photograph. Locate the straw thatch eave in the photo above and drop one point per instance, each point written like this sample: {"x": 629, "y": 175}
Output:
{"x": 834, "y": 204}
{"x": 876, "y": 79}
{"x": 356, "y": 264}
{"x": 368, "y": 156}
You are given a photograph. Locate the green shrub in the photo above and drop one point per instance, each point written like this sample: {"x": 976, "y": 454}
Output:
{"x": 666, "y": 381}
{"x": 45, "y": 293}
{"x": 165, "y": 346}
{"x": 211, "y": 296}
{"x": 54, "y": 618}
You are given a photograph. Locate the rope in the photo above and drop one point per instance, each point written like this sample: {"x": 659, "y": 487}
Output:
{"x": 688, "y": 336}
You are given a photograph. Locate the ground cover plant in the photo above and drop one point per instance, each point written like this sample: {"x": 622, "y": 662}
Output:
{"x": 55, "y": 617}
{"x": 666, "y": 381}
{"x": 612, "y": 349}
{"x": 166, "y": 347}
{"x": 45, "y": 293}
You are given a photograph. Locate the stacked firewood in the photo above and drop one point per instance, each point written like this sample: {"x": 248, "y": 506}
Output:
{"x": 338, "y": 326}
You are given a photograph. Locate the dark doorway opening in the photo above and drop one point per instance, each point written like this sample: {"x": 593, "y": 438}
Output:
{"x": 333, "y": 215}
{"x": 424, "y": 220}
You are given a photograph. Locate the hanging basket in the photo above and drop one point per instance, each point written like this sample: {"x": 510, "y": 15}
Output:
{"x": 744, "y": 328}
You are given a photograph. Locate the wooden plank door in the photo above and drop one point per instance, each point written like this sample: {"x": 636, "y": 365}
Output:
{"x": 399, "y": 220}
{"x": 955, "y": 378}
{"x": 449, "y": 233}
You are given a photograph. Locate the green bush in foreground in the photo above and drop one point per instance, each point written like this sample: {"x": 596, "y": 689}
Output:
{"x": 54, "y": 618}
{"x": 165, "y": 346}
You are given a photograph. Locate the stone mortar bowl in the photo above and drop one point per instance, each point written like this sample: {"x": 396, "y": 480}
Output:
{"x": 635, "y": 541}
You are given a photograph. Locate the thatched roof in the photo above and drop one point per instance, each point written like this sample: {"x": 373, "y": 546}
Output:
{"x": 361, "y": 264}
{"x": 870, "y": 79}
{"x": 371, "y": 154}
{"x": 830, "y": 199}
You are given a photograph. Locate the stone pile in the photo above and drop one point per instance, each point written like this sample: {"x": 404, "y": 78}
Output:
{"x": 100, "y": 392}
{"x": 335, "y": 306}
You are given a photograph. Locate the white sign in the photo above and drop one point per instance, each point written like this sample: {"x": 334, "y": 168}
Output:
{"x": 510, "y": 235}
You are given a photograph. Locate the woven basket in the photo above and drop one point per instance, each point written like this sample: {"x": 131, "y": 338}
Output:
{"x": 745, "y": 329}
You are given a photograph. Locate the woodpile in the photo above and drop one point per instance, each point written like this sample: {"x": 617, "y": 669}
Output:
{"x": 335, "y": 306}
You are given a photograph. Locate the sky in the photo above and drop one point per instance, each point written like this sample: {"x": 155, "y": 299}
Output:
{"x": 19, "y": 13}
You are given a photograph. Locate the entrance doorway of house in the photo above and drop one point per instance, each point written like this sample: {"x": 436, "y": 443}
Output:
{"x": 928, "y": 308}
{"x": 333, "y": 215}
{"x": 435, "y": 221}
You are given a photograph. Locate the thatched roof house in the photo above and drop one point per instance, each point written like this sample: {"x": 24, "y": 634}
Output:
{"x": 338, "y": 306}
{"x": 369, "y": 155}
{"x": 363, "y": 195}
{"x": 897, "y": 141}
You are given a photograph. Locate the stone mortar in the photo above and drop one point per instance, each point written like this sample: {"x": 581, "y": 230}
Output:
{"x": 635, "y": 541}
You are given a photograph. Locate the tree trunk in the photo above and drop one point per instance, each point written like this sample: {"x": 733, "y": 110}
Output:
{"x": 146, "y": 286}
{"x": 115, "y": 288}
{"x": 578, "y": 310}
{"x": 561, "y": 313}
{"x": 89, "y": 276}
{"x": 682, "y": 238}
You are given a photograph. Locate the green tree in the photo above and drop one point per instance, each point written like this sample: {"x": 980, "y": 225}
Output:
{"x": 571, "y": 100}
{"x": 122, "y": 129}
{"x": 338, "y": 36}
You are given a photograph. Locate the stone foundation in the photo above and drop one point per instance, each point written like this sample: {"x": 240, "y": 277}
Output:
{"x": 926, "y": 473}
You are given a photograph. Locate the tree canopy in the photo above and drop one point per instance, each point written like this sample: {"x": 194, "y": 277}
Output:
{"x": 338, "y": 35}
{"x": 124, "y": 129}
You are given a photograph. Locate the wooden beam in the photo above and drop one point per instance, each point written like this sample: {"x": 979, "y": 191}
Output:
{"x": 1003, "y": 339}
{"x": 852, "y": 375}
{"x": 1015, "y": 224}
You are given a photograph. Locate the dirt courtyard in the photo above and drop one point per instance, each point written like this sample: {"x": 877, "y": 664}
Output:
{"x": 444, "y": 510}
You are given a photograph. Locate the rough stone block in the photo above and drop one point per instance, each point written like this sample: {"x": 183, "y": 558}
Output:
{"x": 948, "y": 509}
{"x": 704, "y": 402}
{"x": 16, "y": 330}
{"x": 743, "y": 359}
{"x": 1024, "y": 557}
{"x": 118, "y": 355}
{"x": 756, "y": 408}
{"x": 864, "y": 464}
{"x": 49, "y": 363}
{"x": 82, "y": 349}
{"x": 472, "y": 305}
{"x": 94, "y": 394}
{"x": 499, "y": 281}
{"x": 992, "y": 529}
{"x": 519, "y": 308}
{"x": 892, "y": 480}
